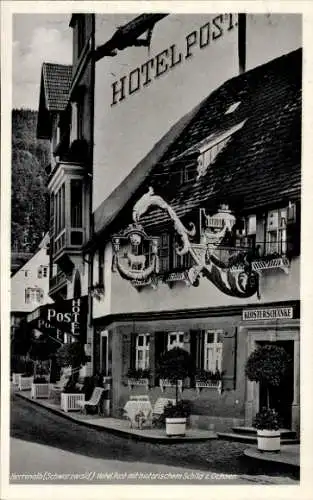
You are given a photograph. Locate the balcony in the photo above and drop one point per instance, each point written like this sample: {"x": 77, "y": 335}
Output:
{"x": 57, "y": 282}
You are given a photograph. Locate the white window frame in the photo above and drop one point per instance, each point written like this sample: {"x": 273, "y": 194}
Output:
{"x": 213, "y": 351}
{"x": 177, "y": 342}
{"x": 35, "y": 295}
{"x": 144, "y": 363}
{"x": 276, "y": 236}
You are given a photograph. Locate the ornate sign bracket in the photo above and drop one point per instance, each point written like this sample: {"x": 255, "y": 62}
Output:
{"x": 143, "y": 265}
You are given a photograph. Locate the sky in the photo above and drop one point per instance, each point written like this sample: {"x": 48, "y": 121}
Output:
{"x": 37, "y": 38}
{"x": 125, "y": 133}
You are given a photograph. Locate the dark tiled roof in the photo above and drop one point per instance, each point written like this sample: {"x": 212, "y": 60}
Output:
{"x": 260, "y": 165}
{"x": 57, "y": 82}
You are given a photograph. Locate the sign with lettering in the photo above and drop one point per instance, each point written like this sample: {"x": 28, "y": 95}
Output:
{"x": 268, "y": 313}
{"x": 172, "y": 57}
{"x": 69, "y": 316}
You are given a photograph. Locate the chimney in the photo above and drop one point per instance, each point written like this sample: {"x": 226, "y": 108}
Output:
{"x": 242, "y": 42}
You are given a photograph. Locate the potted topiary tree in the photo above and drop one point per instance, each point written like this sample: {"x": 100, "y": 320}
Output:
{"x": 176, "y": 365}
{"x": 268, "y": 364}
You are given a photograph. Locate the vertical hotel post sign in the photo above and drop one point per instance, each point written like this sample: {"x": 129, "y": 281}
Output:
{"x": 69, "y": 316}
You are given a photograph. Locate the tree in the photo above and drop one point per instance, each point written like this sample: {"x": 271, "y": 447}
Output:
{"x": 30, "y": 156}
{"x": 268, "y": 365}
{"x": 176, "y": 364}
{"x": 72, "y": 354}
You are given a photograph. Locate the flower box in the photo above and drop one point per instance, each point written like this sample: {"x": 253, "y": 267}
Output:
{"x": 138, "y": 382}
{"x": 209, "y": 384}
{"x": 69, "y": 401}
{"x": 167, "y": 383}
{"x": 25, "y": 383}
{"x": 40, "y": 390}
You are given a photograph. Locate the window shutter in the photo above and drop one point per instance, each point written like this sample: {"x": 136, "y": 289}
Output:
{"x": 133, "y": 351}
{"x": 160, "y": 347}
{"x": 229, "y": 358}
{"x": 126, "y": 350}
{"x": 294, "y": 233}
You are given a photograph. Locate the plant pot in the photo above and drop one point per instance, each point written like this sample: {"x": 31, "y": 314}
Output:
{"x": 176, "y": 426}
{"x": 268, "y": 440}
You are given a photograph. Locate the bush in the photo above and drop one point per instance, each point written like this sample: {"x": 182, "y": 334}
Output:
{"x": 267, "y": 419}
{"x": 267, "y": 364}
{"x": 181, "y": 409}
{"x": 176, "y": 364}
{"x": 88, "y": 386}
{"x": 71, "y": 387}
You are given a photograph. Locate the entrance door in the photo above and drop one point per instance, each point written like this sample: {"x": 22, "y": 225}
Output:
{"x": 281, "y": 397}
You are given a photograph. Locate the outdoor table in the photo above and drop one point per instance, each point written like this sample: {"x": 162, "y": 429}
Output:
{"x": 140, "y": 409}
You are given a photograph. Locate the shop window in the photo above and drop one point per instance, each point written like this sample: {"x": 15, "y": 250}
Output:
{"x": 213, "y": 350}
{"x": 34, "y": 295}
{"x": 276, "y": 232}
{"x": 175, "y": 339}
{"x": 142, "y": 351}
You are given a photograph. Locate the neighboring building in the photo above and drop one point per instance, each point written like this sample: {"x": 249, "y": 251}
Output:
{"x": 30, "y": 285}
{"x": 233, "y": 163}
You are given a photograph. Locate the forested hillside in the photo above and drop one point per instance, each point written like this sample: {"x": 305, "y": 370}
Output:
{"x": 30, "y": 156}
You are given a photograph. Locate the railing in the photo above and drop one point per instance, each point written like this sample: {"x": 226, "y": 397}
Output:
{"x": 57, "y": 280}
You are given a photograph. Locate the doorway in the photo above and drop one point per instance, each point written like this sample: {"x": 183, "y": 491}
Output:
{"x": 281, "y": 397}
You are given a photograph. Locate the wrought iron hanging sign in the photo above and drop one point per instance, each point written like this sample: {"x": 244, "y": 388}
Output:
{"x": 135, "y": 256}
{"x": 239, "y": 282}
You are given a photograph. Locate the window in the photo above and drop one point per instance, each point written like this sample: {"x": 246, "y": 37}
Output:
{"x": 80, "y": 118}
{"x": 101, "y": 267}
{"x": 26, "y": 273}
{"x": 164, "y": 252}
{"x": 42, "y": 272}
{"x": 76, "y": 203}
{"x": 213, "y": 350}
{"x": 180, "y": 262}
{"x": 59, "y": 210}
{"x": 33, "y": 295}
{"x": 175, "y": 339}
{"x": 276, "y": 232}
{"x": 142, "y": 351}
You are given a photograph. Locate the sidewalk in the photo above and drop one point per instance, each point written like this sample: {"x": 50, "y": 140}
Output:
{"x": 119, "y": 426}
{"x": 288, "y": 455}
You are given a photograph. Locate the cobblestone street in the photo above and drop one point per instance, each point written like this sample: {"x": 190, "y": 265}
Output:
{"x": 220, "y": 459}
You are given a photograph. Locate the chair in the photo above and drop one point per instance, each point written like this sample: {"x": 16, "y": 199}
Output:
{"x": 59, "y": 387}
{"x": 94, "y": 401}
{"x": 158, "y": 409}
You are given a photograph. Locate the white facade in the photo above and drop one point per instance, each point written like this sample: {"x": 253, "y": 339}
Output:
{"x": 30, "y": 284}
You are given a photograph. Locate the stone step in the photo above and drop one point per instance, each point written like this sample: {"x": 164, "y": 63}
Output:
{"x": 249, "y": 438}
{"x": 251, "y": 431}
